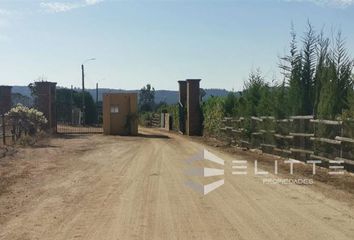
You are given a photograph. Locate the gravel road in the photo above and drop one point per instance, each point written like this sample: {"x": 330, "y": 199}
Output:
{"x": 105, "y": 187}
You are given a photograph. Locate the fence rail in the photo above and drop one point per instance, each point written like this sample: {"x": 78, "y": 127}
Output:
{"x": 299, "y": 137}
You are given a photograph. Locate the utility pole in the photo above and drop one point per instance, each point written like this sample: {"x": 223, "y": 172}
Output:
{"x": 97, "y": 103}
{"x": 83, "y": 94}
{"x": 71, "y": 105}
{"x": 83, "y": 90}
{"x": 96, "y": 93}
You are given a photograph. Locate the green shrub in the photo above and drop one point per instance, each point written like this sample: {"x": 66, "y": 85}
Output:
{"x": 28, "y": 120}
{"x": 145, "y": 119}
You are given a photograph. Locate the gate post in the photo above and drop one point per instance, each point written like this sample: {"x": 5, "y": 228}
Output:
{"x": 194, "y": 125}
{"x": 45, "y": 102}
{"x": 3, "y": 129}
{"x": 182, "y": 105}
{"x": 5, "y": 99}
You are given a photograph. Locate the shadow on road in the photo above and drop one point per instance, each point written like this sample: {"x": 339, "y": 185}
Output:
{"x": 153, "y": 136}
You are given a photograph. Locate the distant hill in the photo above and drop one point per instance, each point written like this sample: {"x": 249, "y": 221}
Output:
{"x": 167, "y": 96}
{"x": 23, "y": 90}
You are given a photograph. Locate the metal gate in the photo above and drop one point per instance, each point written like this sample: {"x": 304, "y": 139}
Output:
{"x": 70, "y": 116}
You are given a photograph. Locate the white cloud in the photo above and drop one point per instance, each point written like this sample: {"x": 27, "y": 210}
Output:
{"x": 58, "y": 6}
{"x": 330, "y": 3}
{"x": 55, "y": 7}
{"x": 92, "y": 2}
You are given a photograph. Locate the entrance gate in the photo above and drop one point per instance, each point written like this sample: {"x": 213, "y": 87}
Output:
{"x": 69, "y": 116}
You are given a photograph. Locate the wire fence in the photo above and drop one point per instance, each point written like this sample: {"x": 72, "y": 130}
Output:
{"x": 298, "y": 137}
{"x": 63, "y": 128}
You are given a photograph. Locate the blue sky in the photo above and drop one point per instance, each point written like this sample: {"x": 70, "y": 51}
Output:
{"x": 160, "y": 42}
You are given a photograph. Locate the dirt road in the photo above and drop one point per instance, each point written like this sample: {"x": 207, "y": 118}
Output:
{"x": 96, "y": 187}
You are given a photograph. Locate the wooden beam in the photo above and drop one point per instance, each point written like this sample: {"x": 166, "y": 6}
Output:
{"x": 268, "y": 145}
{"x": 267, "y": 117}
{"x": 257, "y": 119}
{"x": 347, "y": 161}
{"x": 266, "y": 131}
{"x": 344, "y": 139}
{"x": 326, "y": 140}
{"x": 302, "y": 117}
{"x": 301, "y": 150}
{"x": 327, "y": 122}
{"x": 320, "y": 158}
{"x": 283, "y": 136}
{"x": 285, "y": 120}
{"x": 302, "y": 134}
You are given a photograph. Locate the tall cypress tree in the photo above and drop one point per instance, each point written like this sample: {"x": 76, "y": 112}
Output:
{"x": 307, "y": 76}
{"x": 321, "y": 69}
{"x": 337, "y": 81}
{"x": 292, "y": 68}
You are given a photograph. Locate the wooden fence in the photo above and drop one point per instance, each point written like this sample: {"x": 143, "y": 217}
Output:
{"x": 155, "y": 121}
{"x": 299, "y": 137}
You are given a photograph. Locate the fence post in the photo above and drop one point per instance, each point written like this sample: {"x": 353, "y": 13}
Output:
{"x": 3, "y": 129}
{"x": 341, "y": 134}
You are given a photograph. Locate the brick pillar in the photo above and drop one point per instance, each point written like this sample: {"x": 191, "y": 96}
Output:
{"x": 45, "y": 102}
{"x": 182, "y": 92}
{"x": 194, "y": 125}
{"x": 5, "y": 99}
{"x": 182, "y": 116}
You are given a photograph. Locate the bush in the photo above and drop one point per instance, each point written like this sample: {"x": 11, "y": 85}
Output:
{"x": 173, "y": 111}
{"x": 28, "y": 120}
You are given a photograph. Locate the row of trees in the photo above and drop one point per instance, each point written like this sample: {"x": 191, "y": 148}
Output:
{"x": 67, "y": 100}
{"x": 317, "y": 81}
{"x": 319, "y": 76}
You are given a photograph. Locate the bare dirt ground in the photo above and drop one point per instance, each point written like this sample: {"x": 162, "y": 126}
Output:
{"x": 105, "y": 187}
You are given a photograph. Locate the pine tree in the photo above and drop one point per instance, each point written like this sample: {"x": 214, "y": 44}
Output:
{"x": 281, "y": 107}
{"x": 253, "y": 92}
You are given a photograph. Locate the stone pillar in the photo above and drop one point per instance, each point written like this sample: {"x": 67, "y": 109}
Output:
{"x": 5, "y": 99}
{"x": 182, "y": 92}
{"x": 194, "y": 125}
{"x": 45, "y": 102}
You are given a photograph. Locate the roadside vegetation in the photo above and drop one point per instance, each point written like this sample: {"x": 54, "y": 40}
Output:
{"x": 317, "y": 80}
{"x": 26, "y": 123}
